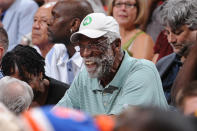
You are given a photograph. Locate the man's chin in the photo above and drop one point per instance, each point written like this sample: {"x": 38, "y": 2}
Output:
{"x": 93, "y": 73}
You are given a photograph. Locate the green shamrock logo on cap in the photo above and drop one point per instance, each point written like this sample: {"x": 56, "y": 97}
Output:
{"x": 87, "y": 21}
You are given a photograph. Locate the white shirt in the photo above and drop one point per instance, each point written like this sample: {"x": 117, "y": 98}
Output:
{"x": 59, "y": 66}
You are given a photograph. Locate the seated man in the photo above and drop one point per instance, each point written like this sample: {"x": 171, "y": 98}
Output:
{"x": 15, "y": 94}
{"x": 112, "y": 79}
{"x": 26, "y": 64}
{"x": 180, "y": 27}
{"x": 39, "y": 29}
{"x": 64, "y": 62}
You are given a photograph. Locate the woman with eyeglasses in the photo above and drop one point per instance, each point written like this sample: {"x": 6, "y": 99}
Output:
{"x": 131, "y": 16}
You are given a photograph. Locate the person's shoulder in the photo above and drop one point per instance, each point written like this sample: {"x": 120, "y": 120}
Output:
{"x": 144, "y": 38}
{"x": 169, "y": 58}
{"x": 57, "y": 84}
{"x": 144, "y": 62}
{"x": 138, "y": 65}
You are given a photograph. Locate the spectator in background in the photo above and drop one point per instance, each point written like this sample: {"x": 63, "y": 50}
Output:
{"x": 40, "y": 28}
{"x": 17, "y": 19}
{"x": 26, "y": 64}
{"x": 186, "y": 99}
{"x": 111, "y": 79}
{"x": 15, "y": 94}
{"x": 154, "y": 25}
{"x": 130, "y": 15}
{"x": 151, "y": 119}
{"x": 65, "y": 62}
{"x": 181, "y": 28}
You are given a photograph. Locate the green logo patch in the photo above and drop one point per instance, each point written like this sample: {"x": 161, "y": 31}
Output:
{"x": 87, "y": 21}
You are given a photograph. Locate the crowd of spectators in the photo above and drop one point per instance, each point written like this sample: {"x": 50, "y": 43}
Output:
{"x": 98, "y": 65}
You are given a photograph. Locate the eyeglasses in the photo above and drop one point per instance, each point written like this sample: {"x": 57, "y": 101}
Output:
{"x": 96, "y": 46}
{"x": 127, "y": 5}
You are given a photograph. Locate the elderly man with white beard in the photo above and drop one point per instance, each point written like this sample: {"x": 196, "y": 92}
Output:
{"x": 111, "y": 80}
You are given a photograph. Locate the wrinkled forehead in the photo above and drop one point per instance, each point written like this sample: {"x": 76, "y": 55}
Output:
{"x": 43, "y": 12}
{"x": 181, "y": 28}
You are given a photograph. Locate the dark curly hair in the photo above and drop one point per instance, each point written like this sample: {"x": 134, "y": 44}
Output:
{"x": 26, "y": 59}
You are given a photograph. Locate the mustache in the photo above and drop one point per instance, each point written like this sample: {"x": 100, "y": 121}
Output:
{"x": 92, "y": 59}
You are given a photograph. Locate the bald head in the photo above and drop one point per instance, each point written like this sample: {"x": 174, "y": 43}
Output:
{"x": 67, "y": 16}
{"x": 74, "y": 8}
{"x": 40, "y": 25}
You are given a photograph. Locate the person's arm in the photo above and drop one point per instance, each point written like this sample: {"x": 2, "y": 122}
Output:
{"x": 142, "y": 47}
{"x": 187, "y": 73}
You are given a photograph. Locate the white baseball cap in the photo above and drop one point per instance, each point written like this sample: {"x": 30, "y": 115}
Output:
{"x": 96, "y": 25}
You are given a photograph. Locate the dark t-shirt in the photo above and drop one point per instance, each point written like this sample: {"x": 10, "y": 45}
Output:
{"x": 57, "y": 90}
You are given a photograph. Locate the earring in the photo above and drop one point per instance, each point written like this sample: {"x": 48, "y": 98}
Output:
{"x": 71, "y": 31}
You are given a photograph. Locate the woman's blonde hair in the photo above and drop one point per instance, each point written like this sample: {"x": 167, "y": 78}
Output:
{"x": 142, "y": 14}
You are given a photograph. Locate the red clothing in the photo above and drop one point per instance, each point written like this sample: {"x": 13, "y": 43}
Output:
{"x": 162, "y": 47}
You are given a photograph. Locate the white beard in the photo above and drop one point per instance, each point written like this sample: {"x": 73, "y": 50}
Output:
{"x": 104, "y": 65}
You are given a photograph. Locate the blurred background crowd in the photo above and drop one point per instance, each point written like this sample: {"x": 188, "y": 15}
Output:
{"x": 98, "y": 65}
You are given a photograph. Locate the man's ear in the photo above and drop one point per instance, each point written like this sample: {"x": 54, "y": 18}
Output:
{"x": 117, "y": 44}
{"x": 75, "y": 23}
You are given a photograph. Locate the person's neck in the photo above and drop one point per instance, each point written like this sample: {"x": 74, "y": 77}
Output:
{"x": 107, "y": 78}
{"x": 70, "y": 49}
{"x": 45, "y": 49}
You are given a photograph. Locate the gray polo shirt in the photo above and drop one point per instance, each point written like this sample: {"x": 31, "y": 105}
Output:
{"x": 137, "y": 82}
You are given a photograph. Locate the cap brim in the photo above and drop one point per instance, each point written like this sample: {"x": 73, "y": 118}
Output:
{"x": 91, "y": 33}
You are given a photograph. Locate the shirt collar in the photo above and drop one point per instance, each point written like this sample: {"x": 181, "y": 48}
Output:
{"x": 119, "y": 78}
{"x": 76, "y": 59}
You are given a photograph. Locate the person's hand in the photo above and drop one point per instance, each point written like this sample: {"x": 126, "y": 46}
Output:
{"x": 39, "y": 84}
{"x": 40, "y": 88}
